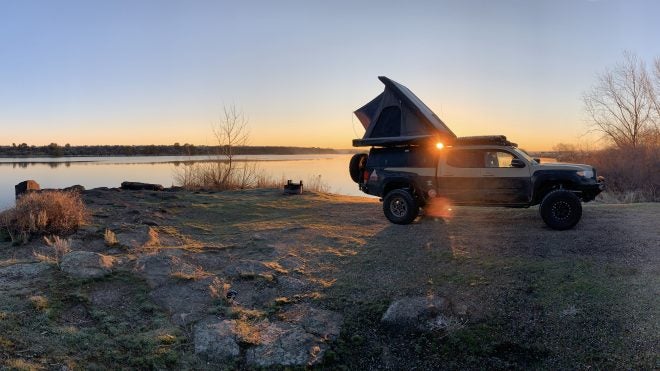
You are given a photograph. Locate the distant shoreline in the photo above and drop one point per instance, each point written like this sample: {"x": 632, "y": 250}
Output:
{"x": 54, "y": 151}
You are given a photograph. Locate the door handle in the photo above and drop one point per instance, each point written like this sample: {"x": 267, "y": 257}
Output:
{"x": 488, "y": 174}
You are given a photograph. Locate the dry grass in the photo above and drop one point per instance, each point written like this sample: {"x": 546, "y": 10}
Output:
{"x": 189, "y": 273}
{"x": 58, "y": 247}
{"x": 110, "y": 238}
{"x": 44, "y": 213}
{"x": 315, "y": 183}
{"x": 23, "y": 365}
{"x": 218, "y": 176}
{"x": 39, "y": 303}
{"x": 219, "y": 288}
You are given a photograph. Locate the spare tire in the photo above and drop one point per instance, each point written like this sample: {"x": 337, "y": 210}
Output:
{"x": 356, "y": 166}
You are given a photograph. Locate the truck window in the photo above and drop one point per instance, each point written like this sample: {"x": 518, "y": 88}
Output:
{"x": 466, "y": 158}
{"x": 498, "y": 159}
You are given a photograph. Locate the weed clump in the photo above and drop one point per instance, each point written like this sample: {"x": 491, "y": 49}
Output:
{"x": 39, "y": 303}
{"x": 57, "y": 248}
{"x": 44, "y": 213}
{"x": 110, "y": 238}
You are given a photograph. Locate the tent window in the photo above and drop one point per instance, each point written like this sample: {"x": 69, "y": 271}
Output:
{"x": 389, "y": 123}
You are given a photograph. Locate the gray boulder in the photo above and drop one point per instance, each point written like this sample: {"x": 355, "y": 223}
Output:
{"x": 186, "y": 302}
{"x": 216, "y": 341}
{"x": 156, "y": 269}
{"x": 423, "y": 313}
{"x": 320, "y": 322}
{"x": 143, "y": 236}
{"x": 284, "y": 344}
{"x": 74, "y": 189}
{"x": 86, "y": 264}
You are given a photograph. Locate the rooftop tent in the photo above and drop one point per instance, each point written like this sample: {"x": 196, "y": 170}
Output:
{"x": 397, "y": 116}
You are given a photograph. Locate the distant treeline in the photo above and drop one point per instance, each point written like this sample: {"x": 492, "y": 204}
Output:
{"x": 56, "y": 150}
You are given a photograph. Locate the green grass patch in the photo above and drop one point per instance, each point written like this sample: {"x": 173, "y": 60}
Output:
{"x": 64, "y": 327}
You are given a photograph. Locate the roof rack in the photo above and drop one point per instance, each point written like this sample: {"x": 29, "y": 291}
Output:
{"x": 496, "y": 140}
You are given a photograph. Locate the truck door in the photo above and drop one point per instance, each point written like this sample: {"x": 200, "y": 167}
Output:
{"x": 504, "y": 184}
{"x": 459, "y": 176}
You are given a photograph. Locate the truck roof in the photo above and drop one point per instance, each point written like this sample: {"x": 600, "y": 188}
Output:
{"x": 495, "y": 140}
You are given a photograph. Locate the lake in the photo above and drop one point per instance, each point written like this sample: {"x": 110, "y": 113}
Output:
{"x": 92, "y": 172}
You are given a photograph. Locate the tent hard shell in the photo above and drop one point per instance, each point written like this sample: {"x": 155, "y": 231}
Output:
{"x": 397, "y": 117}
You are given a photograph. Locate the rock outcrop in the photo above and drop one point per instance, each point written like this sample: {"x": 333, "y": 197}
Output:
{"x": 422, "y": 313}
{"x": 137, "y": 186}
{"x": 299, "y": 339}
{"x": 86, "y": 264}
{"x": 216, "y": 341}
{"x": 26, "y": 187}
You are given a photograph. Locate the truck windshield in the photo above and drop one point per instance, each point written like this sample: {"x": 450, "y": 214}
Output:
{"x": 524, "y": 155}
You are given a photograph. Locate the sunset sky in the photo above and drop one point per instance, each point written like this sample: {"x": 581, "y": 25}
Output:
{"x": 159, "y": 72}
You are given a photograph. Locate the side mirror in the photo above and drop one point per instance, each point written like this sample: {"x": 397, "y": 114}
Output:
{"x": 538, "y": 160}
{"x": 516, "y": 162}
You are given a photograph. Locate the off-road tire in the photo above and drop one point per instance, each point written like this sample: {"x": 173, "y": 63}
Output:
{"x": 400, "y": 207}
{"x": 561, "y": 209}
{"x": 356, "y": 166}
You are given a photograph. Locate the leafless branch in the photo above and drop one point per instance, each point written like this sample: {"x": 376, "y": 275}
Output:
{"x": 623, "y": 105}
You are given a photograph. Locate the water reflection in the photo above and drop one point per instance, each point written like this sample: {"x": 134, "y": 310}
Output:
{"x": 26, "y": 164}
{"x": 92, "y": 172}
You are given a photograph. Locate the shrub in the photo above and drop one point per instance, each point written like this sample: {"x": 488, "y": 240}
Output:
{"x": 218, "y": 175}
{"x": 44, "y": 213}
{"x": 631, "y": 175}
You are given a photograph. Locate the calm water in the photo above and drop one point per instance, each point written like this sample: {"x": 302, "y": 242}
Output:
{"x": 94, "y": 172}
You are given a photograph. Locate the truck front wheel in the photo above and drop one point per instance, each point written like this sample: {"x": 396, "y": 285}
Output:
{"x": 400, "y": 207}
{"x": 561, "y": 209}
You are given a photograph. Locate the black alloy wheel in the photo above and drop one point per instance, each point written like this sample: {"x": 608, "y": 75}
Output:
{"x": 561, "y": 209}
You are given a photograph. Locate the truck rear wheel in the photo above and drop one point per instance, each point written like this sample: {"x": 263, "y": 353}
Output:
{"x": 400, "y": 207}
{"x": 561, "y": 209}
{"x": 356, "y": 166}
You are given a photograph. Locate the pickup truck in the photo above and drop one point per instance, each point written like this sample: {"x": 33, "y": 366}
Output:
{"x": 415, "y": 157}
{"x": 477, "y": 171}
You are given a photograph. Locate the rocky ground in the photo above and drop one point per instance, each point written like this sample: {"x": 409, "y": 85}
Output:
{"x": 255, "y": 279}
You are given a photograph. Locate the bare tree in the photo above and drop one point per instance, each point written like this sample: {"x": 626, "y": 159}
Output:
{"x": 622, "y": 104}
{"x": 656, "y": 73}
{"x": 231, "y": 132}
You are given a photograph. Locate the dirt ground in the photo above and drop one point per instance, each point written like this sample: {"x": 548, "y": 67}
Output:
{"x": 522, "y": 295}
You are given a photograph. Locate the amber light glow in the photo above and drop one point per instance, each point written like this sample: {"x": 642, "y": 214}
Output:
{"x": 439, "y": 207}
{"x": 439, "y": 145}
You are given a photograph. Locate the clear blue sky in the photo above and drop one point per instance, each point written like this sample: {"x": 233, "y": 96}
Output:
{"x": 140, "y": 72}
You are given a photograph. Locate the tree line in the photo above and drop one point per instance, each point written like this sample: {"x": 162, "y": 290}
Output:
{"x": 177, "y": 149}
